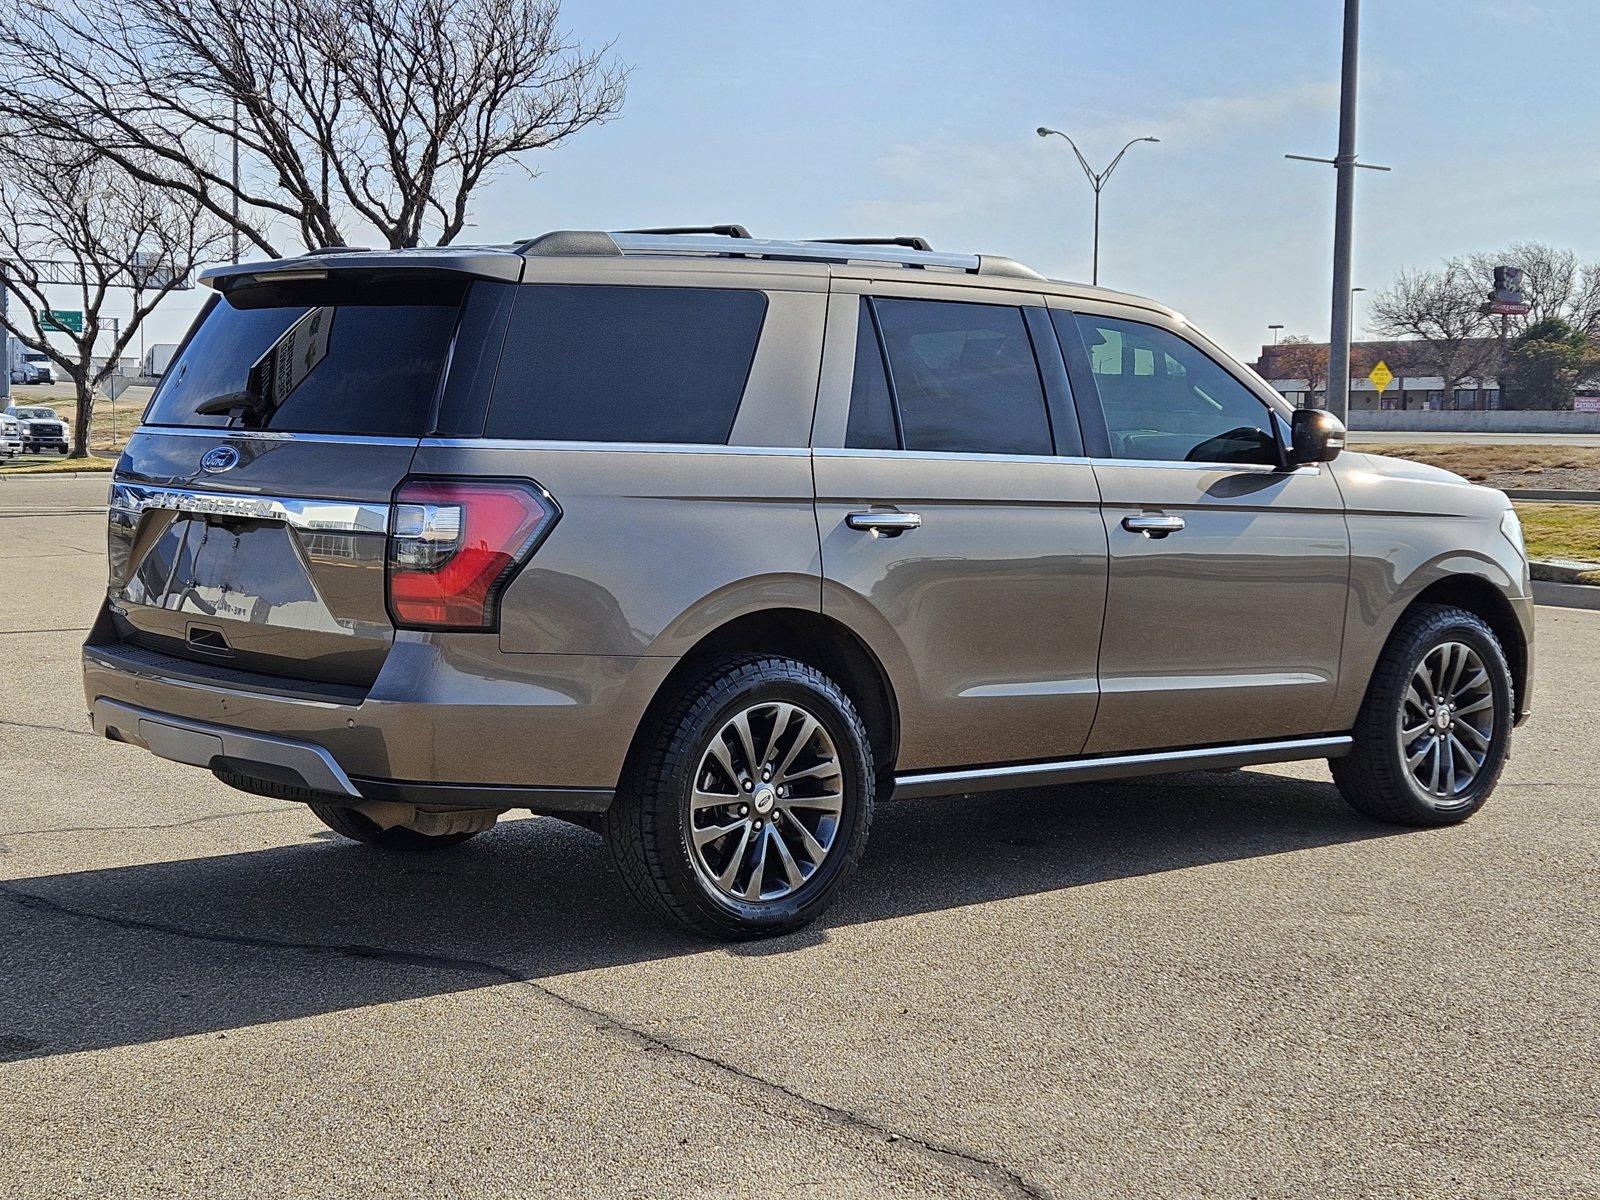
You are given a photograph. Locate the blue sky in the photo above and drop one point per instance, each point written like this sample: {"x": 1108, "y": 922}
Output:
{"x": 872, "y": 117}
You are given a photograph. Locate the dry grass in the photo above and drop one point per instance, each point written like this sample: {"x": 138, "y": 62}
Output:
{"x": 53, "y": 465}
{"x": 1561, "y": 530}
{"x": 1490, "y": 464}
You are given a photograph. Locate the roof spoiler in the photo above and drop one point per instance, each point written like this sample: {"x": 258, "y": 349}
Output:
{"x": 474, "y": 262}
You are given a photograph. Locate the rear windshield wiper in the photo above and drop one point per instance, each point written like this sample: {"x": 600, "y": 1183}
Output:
{"x": 246, "y": 403}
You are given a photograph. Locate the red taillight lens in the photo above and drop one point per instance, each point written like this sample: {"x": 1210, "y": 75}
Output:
{"x": 454, "y": 545}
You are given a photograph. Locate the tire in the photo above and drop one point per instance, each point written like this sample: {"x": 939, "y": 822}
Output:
{"x": 347, "y": 822}
{"x": 1377, "y": 778}
{"x": 817, "y": 796}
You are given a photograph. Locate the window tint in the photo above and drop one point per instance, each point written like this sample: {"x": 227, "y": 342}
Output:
{"x": 625, "y": 364}
{"x": 314, "y": 368}
{"x": 964, "y": 377}
{"x": 871, "y": 411}
{"x": 1166, "y": 400}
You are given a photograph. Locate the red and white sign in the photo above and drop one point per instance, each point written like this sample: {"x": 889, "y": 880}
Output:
{"x": 1586, "y": 404}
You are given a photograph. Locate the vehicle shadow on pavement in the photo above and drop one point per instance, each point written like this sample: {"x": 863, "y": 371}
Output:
{"x": 141, "y": 953}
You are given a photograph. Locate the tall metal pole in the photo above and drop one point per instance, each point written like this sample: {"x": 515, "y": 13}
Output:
{"x": 1344, "y": 163}
{"x": 1094, "y": 271}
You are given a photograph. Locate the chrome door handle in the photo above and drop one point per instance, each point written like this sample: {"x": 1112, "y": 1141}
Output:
{"x": 885, "y": 524}
{"x": 1152, "y": 525}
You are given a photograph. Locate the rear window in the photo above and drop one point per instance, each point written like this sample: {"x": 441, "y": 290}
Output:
{"x": 323, "y": 366}
{"x": 625, "y": 364}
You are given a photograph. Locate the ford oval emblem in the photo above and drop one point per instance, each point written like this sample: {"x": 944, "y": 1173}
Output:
{"x": 219, "y": 459}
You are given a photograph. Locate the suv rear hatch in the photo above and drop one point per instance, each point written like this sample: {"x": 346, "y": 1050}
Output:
{"x": 248, "y": 516}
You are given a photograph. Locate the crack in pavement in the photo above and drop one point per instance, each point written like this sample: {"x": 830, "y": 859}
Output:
{"x": 1003, "y": 1178}
{"x": 222, "y": 816}
{"x": 88, "y": 733}
{"x": 26, "y": 632}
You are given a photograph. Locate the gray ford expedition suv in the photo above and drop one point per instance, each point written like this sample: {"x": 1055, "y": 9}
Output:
{"x": 709, "y": 543}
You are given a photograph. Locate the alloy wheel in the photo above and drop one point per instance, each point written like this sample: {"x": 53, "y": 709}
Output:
{"x": 766, "y": 804}
{"x": 1447, "y": 721}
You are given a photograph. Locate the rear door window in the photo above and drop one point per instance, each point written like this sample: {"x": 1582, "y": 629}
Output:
{"x": 963, "y": 376}
{"x": 596, "y": 363}
{"x": 335, "y": 364}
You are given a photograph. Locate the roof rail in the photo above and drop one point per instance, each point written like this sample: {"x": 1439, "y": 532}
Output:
{"x": 591, "y": 242}
{"x": 738, "y": 231}
{"x": 911, "y": 242}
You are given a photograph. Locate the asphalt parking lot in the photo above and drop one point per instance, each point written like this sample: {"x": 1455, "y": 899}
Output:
{"x": 1220, "y": 985}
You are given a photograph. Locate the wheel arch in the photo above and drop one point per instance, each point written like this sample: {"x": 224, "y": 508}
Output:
{"x": 1483, "y": 599}
{"x": 804, "y": 635}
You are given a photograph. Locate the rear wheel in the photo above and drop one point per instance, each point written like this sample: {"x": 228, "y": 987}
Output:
{"x": 1434, "y": 730}
{"x": 359, "y": 828}
{"x": 750, "y": 807}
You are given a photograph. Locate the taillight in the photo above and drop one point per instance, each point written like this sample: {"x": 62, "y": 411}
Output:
{"x": 454, "y": 545}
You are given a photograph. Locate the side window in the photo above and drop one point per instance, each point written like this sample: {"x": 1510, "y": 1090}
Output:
{"x": 596, "y": 363}
{"x": 963, "y": 377}
{"x": 1166, "y": 400}
{"x": 871, "y": 424}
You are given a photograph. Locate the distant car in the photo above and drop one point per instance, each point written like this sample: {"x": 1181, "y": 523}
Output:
{"x": 42, "y": 427}
{"x": 10, "y": 437}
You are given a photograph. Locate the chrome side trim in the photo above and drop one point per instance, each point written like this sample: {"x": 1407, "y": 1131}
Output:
{"x": 1118, "y": 766}
{"x": 949, "y": 456}
{"x": 271, "y": 435}
{"x": 1223, "y": 468}
{"x": 465, "y": 443}
{"x": 333, "y": 516}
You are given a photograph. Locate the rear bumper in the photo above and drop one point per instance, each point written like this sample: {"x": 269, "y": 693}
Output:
{"x": 546, "y": 732}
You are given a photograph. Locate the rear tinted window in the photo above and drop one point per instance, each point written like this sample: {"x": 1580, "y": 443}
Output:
{"x": 964, "y": 377}
{"x": 625, "y": 364}
{"x": 311, "y": 368}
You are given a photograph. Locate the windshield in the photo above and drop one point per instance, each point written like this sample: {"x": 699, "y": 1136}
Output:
{"x": 345, "y": 363}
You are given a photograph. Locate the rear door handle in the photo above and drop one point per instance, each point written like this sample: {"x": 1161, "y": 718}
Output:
{"x": 1152, "y": 525}
{"x": 886, "y": 524}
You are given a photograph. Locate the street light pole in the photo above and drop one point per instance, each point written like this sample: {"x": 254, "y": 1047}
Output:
{"x": 1275, "y": 331}
{"x": 1344, "y": 207}
{"x": 1097, "y": 180}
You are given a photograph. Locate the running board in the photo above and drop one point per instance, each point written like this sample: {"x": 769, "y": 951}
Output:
{"x": 1117, "y": 766}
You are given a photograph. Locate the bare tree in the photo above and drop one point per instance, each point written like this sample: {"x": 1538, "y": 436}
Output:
{"x": 1299, "y": 357}
{"x": 386, "y": 114}
{"x": 1443, "y": 309}
{"x": 65, "y": 212}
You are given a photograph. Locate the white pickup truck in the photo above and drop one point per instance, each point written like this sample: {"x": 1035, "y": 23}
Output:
{"x": 42, "y": 427}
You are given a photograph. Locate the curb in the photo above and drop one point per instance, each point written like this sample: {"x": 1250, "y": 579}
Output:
{"x": 1563, "y": 570}
{"x": 1553, "y": 495}
{"x": 9, "y": 476}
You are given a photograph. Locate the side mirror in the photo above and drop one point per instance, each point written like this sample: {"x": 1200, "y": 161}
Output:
{"x": 1315, "y": 436}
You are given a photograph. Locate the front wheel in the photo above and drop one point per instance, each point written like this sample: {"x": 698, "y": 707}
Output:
{"x": 749, "y": 808}
{"x": 1435, "y": 728}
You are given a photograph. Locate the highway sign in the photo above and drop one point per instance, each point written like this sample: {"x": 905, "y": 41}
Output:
{"x": 1381, "y": 376}
{"x": 54, "y": 320}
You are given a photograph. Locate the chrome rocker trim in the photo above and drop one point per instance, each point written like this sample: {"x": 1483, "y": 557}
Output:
{"x": 1117, "y": 766}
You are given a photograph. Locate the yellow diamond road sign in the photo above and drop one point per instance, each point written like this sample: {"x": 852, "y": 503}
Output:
{"x": 1381, "y": 376}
